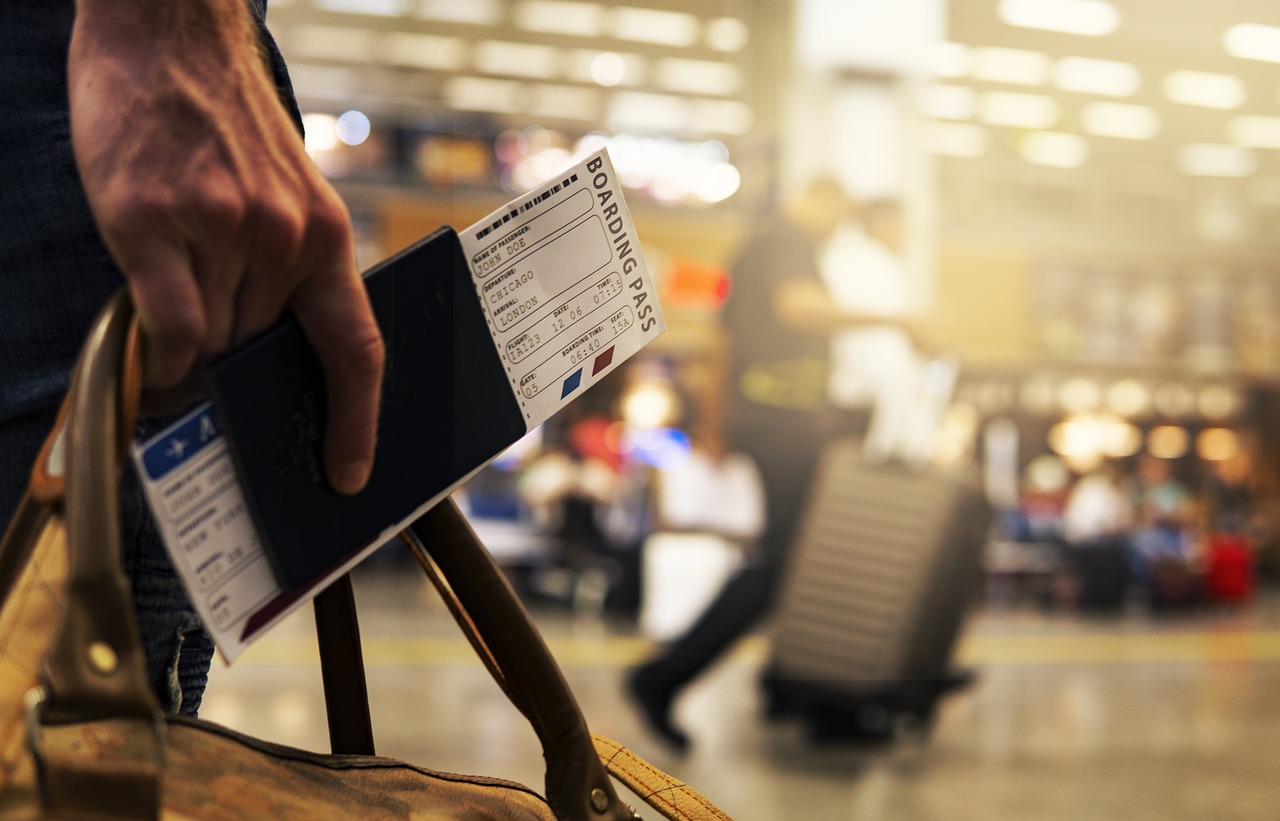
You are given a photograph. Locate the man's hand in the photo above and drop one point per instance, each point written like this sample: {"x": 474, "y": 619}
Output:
{"x": 202, "y": 191}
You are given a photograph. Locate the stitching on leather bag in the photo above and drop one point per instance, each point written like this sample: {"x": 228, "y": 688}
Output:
{"x": 674, "y": 788}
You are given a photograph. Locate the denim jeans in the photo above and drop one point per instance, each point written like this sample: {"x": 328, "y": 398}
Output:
{"x": 55, "y": 274}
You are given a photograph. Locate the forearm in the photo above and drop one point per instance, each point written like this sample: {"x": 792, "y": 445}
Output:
{"x": 807, "y": 306}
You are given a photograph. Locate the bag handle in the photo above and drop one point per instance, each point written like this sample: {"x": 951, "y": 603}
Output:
{"x": 503, "y": 634}
{"x": 94, "y": 666}
{"x": 500, "y": 629}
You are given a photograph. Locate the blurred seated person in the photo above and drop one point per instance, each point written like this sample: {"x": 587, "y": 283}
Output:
{"x": 714, "y": 490}
{"x": 1097, "y": 509}
{"x": 568, "y": 487}
{"x": 1096, "y": 521}
{"x": 1042, "y": 498}
{"x": 1230, "y": 495}
{"x": 1239, "y": 518}
{"x": 1163, "y": 540}
{"x": 1164, "y": 512}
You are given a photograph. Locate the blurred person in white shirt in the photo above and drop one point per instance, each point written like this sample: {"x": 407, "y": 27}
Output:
{"x": 880, "y": 363}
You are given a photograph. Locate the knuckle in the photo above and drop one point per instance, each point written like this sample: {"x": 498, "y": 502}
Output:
{"x": 220, "y": 210}
{"x": 180, "y": 331}
{"x": 137, "y": 212}
{"x": 330, "y": 226}
{"x": 279, "y": 231}
{"x": 357, "y": 361}
{"x": 365, "y": 354}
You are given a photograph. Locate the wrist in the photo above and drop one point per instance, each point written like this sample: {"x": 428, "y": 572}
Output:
{"x": 160, "y": 21}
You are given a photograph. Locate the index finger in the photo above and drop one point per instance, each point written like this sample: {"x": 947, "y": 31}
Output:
{"x": 333, "y": 310}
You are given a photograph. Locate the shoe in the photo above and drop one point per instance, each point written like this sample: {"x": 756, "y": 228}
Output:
{"x": 654, "y": 702}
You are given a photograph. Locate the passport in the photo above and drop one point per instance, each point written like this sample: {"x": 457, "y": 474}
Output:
{"x": 447, "y": 409}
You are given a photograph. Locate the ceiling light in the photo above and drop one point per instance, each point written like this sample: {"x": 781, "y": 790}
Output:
{"x": 1253, "y": 41}
{"x": 1173, "y": 399}
{"x": 952, "y": 60}
{"x": 664, "y": 28}
{"x": 1084, "y": 441}
{"x": 1019, "y": 110}
{"x": 353, "y": 127}
{"x": 332, "y": 43}
{"x": 1011, "y": 65}
{"x": 1254, "y": 131}
{"x": 1129, "y": 397}
{"x": 1217, "y": 444}
{"x": 608, "y": 69}
{"x": 1038, "y": 394}
{"x": 431, "y": 51}
{"x": 942, "y": 102}
{"x": 955, "y": 139}
{"x": 518, "y": 59}
{"x": 564, "y": 102}
{"x": 378, "y": 8}
{"x": 718, "y": 183}
{"x": 321, "y": 132}
{"x": 1205, "y": 89}
{"x": 1110, "y": 77}
{"x": 727, "y": 34}
{"x": 639, "y": 110}
{"x": 1218, "y": 402}
{"x": 1129, "y": 122}
{"x": 328, "y": 82}
{"x": 1167, "y": 442}
{"x": 570, "y": 17}
{"x": 697, "y": 76}
{"x": 1215, "y": 160}
{"x": 483, "y": 94}
{"x": 1093, "y": 18}
{"x": 1080, "y": 395}
{"x": 1054, "y": 148}
{"x": 477, "y": 12}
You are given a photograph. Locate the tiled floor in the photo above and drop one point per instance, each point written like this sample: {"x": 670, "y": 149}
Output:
{"x": 1129, "y": 718}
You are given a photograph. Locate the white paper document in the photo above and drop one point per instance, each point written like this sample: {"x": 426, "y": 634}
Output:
{"x": 568, "y": 297}
{"x": 564, "y": 286}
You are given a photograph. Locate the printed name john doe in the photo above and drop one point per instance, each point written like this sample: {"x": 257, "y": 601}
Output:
{"x": 564, "y": 286}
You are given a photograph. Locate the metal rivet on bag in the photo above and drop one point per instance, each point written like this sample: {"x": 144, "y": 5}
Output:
{"x": 599, "y": 800}
{"x": 103, "y": 658}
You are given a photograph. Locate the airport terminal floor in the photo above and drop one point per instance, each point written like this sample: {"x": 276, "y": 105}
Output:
{"x": 1135, "y": 716}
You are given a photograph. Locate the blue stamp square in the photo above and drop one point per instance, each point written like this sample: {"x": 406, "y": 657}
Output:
{"x": 571, "y": 384}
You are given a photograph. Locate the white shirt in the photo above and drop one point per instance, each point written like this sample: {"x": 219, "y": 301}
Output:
{"x": 865, "y": 276}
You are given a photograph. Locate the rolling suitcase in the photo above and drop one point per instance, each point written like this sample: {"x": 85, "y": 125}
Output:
{"x": 884, "y": 567}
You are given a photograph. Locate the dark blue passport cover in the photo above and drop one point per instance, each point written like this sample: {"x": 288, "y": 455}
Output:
{"x": 447, "y": 409}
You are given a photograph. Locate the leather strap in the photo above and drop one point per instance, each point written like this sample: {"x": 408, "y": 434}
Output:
{"x": 346, "y": 693}
{"x": 577, "y": 787}
{"x": 674, "y": 799}
{"x": 95, "y": 665}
